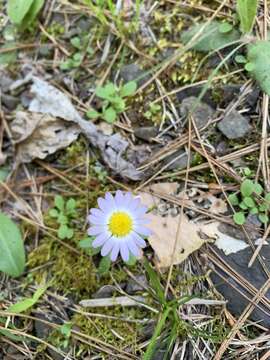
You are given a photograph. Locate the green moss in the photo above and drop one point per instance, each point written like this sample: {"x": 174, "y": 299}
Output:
{"x": 71, "y": 273}
{"x": 119, "y": 333}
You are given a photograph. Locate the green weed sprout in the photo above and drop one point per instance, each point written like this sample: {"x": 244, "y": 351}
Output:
{"x": 113, "y": 100}
{"x": 250, "y": 201}
{"x": 63, "y": 212}
{"x": 81, "y": 49}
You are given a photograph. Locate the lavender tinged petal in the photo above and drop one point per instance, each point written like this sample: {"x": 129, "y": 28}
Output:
{"x": 107, "y": 247}
{"x": 119, "y": 199}
{"x": 139, "y": 240}
{"x": 110, "y": 201}
{"x": 96, "y": 220}
{"x": 115, "y": 251}
{"x": 124, "y": 251}
{"x": 101, "y": 239}
{"x": 96, "y": 230}
{"x": 142, "y": 230}
{"x": 96, "y": 212}
{"x": 133, "y": 248}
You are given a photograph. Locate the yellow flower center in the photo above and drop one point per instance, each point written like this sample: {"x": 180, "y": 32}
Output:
{"x": 120, "y": 224}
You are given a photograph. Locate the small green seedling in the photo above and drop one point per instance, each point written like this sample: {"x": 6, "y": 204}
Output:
{"x": 81, "y": 50}
{"x": 63, "y": 212}
{"x": 250, "y": 201}
{"x": 152, "y": 112}
{"x": 65, "y": 331}
{"x": 113, "y": 100}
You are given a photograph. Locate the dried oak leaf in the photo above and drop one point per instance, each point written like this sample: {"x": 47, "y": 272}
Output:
{"x": 38, "y": 135}
{"x": 173, "y": 238}
{"x": 172, "y": 246}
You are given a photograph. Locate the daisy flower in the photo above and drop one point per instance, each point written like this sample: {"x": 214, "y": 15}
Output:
{"x": 119, "y": 225}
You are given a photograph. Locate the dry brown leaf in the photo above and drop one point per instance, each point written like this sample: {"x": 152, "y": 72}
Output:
{"x": 163, "y": 239}
{"x": 38, "y": 135}
{"x": 170, "y": 245}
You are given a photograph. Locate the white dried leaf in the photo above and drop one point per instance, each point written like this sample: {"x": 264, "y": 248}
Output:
{"x": 38, "y": 135}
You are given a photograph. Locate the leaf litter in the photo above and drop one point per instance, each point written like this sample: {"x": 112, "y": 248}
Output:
{"x": 49, "y": 100}
{"x": 174, "y": 238}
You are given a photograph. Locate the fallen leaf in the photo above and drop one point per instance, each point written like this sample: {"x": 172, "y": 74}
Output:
{"x": 47, "y": 99}
{"x": 170, "y": 248}
{"x": 38, "y": 135}
{"x": 173, "y": 239}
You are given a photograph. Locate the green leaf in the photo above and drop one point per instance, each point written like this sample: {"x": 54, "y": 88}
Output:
{"x": 249, "y": 202}
{"x": 247, "y": 187}
{"x": 267, "y": 197}
{"x": 106, "y": 91}
{"x": 150, "y": 351}
{"x": 254, "y": 211}
{"x": 233, "y": 199}
{"x": 109, "y": 115}
{"x": 86, "y": 244}
{"x": 119, "y": 104}
{"x": 263, "y": 218}
{"x": 128, "y": 89}
{"x": 32, "y": 13}
{"x": 26, "y": 304}
{"x": 225, "y": 27}
{"x": 71, "y": 205}
{"x": 69, "y": 233}
{"x": 59, "y": 202}
{"x": 12, "y": 255}
{"x": 63, "y": 231}
{"x": 9, "y": 57}
{"x": 243, "y": 206}
{"x": 211, "y": 38}
{"x": 263, "y": 207}
{"x": 17, "y": 9}
{"x": 247, "y": 10}
{"x": 65, "y": 329}
{"x": 259, "y": 56}
{"x": 258, "y": 189}
{"x": 76, "y": 42}
{"x": 93, "y": 114}
{"x": 155, "y": 283}
{"x": 104, "y": 265}
{"x": 4, "y": 171}
{"x": 249, "y": 66}
{"x": 62, "y": 219}
{"x": 53, "y": 213}
{"x": 239, "y": 218}
{"x": 240, "y": 59}
{"x": 247, "y": 171}
{"x": 132, "y": 260}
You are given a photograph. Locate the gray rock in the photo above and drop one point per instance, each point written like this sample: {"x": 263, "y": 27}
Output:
{"x": 252, "y": 227}
{"x": 202, "y": 112}
{"x": 43, "y": 331}
{"x": 180, "y": 163}
{"x": 133, "y": 72}
{"x": 10, "y": 101}
{"x": 236, "y": 294}
{"x": 134, "y": 286}
{"x": 139, "y": 154}
{"x": 105, "y": 291}
{"x": 146, "y": 132}
{"x": 5, "y": 81}
{"x": 234, "y": 125}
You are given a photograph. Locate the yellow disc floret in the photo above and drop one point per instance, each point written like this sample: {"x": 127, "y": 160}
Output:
{"x": 120, "y": 224}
